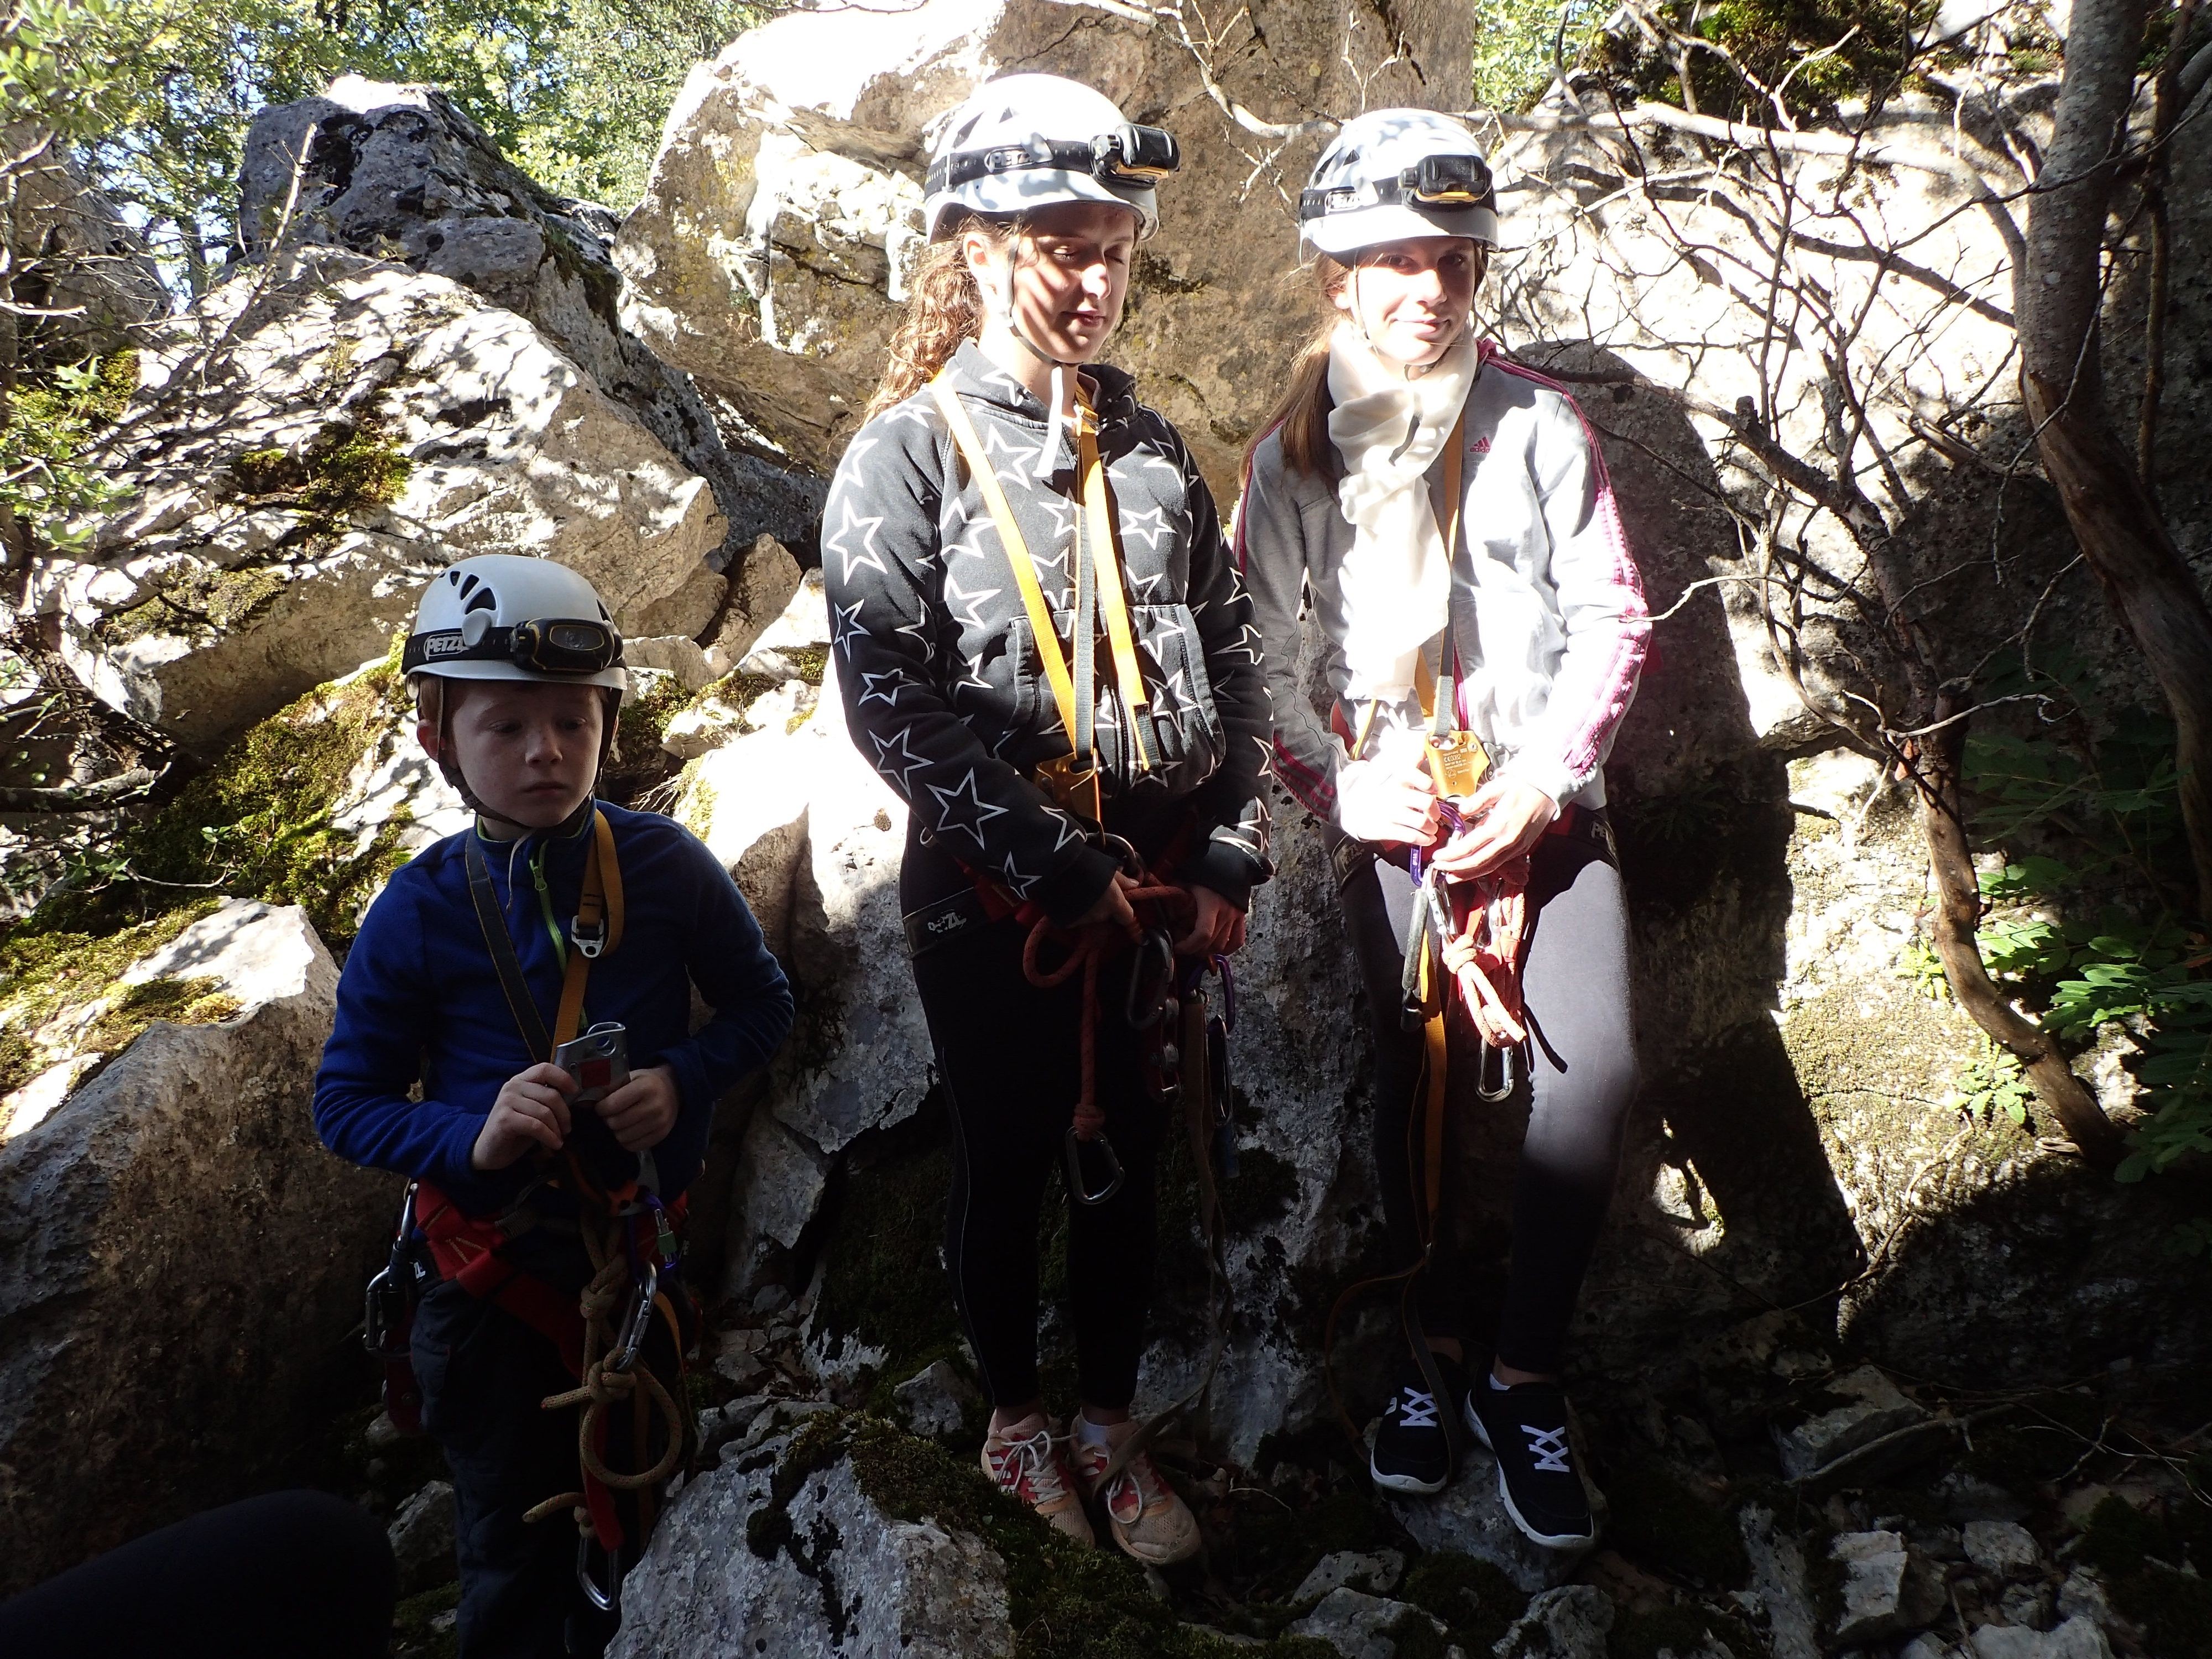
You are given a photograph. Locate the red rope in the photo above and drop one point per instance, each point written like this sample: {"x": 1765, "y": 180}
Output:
{"x": 1086, "y": 948}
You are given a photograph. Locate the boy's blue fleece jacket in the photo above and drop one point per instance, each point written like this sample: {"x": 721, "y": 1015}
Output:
{"x": 420, "y": 1001}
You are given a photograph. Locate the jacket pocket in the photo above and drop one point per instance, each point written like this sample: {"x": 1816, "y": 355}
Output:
{"x": 1179, "y": 717}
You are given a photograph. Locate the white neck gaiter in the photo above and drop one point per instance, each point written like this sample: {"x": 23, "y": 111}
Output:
{"x": 1397, "y": 577}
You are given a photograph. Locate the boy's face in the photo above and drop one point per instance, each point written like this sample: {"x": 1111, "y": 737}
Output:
{"x": 529, "y": 750}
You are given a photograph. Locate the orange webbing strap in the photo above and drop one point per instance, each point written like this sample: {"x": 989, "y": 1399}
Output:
{"x": 1017, "y": 550}
{"x": 1098, "y": 513}
{"x": 598, "y": 924}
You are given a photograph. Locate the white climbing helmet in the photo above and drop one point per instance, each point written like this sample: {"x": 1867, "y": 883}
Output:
{"x": 1392, "y": 173}
{"x": 506, "y": 616}
{"x": 1025, "y": 142}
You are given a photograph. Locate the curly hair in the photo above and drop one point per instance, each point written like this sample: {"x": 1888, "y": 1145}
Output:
{"x": 945, "y": 308}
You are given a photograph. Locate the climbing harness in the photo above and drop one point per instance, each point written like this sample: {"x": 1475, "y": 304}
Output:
{"x": 610, "y": 1338}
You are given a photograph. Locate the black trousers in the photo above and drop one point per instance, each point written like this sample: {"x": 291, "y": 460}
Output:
{"x": 1010, "y": 1057}
{"x": 294, "y": 1575}
{"x": 483, "y": 1373}
{"x": 1581, "y": 1080}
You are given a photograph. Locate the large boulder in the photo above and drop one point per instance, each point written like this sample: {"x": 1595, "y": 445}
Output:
{"x": 78, "y": 270}
{"x": 326, "y": 433}
{"x": 179, "y": 1260}
{"x": 770, "y": 253}
{"x": 399, "y": 171}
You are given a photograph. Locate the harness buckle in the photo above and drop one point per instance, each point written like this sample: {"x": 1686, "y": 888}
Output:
{"x": 1077, "y": 1190}
{"x": 589, "y": 940}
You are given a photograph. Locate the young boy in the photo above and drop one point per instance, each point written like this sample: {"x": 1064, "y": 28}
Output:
{"x": 518, "y": 675}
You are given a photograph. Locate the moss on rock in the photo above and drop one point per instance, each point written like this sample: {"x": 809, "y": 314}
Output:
{"x": 44, "y": 973}
{"x": 1658, "y": 1520}
{"x": 1475, "y": 1599}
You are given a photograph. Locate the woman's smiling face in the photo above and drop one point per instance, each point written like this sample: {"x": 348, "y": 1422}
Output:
{"x": 1070, "y": 274}
{"x": 1410, "y": 298}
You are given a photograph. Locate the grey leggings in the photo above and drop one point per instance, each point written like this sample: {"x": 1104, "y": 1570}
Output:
{"x": 1580, "y": 1078}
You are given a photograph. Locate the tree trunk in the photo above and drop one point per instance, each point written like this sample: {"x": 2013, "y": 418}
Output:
{"x": 2149, "y": 583}
{"x": 1958, "y": 917}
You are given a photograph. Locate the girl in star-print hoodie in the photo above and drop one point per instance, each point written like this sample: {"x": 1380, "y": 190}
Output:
{"x": 1036, "y": 199}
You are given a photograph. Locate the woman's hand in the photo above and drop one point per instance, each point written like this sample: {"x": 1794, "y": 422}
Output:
{"x": 1503, "y": 820}
{"x": 643, "y": 1110}
{"x": 1112, "y": 908}
{"x": 1387, "y": 800}
{"x": 1218, "y": 929}
{"x": 531, "y": 1110}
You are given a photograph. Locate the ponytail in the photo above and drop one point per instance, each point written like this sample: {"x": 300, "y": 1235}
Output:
{"x": 945, "y": 308}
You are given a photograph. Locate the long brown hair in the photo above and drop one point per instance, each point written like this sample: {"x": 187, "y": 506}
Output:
{"x": 1301, "y": 414}
{"x": 945, "y": 308}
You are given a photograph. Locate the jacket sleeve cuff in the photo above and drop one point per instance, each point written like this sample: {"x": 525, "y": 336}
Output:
{"x": 1227, "y": 868}
{"x": 1068, "y": 892}
{"x": 1550, "y": 776}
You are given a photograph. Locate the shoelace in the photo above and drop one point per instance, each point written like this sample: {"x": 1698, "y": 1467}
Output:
{"x": 1140, "y": 1476}
{"x": 1416, "y": 1410}
{"x": 1549, "y": 1448}
{"x": 1031, "y": 1462}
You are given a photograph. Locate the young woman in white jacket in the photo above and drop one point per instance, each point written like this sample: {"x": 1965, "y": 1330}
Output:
{"x": 1445, "y": 513}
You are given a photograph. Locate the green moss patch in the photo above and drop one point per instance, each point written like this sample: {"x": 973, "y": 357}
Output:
{"x": 410, "y": 1625}
{"x": 2144, "y": 1554}
{"x": 257, "y": 825}
{"x": 882, "y": 1280}
{"x": 1065, "y": 1601}
{"x": 1682, "y": 1630}
{"x": 1475, "y": 1599}
{"x": 196, "y": 601}
{"x": 1659, "y": 1520}
{"x": 42, "y": 974}
{"x": 341, "y": 469}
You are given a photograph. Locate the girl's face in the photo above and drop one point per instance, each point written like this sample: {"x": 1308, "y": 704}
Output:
{"x": 1411, "y": 298}
{"x": 1070, "y": 274}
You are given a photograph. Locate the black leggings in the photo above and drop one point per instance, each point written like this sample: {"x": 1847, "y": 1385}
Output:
{"x": 295, "y": 1574}
{"x": 1582, "y": 1078}
{"x": 1010, "y": 1057}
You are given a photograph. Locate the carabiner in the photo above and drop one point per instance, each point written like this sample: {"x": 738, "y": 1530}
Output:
{"x": 640, "y": 1321}
{"x": 1504, "y": 1089}
{"x": 603, "y": 1599}
{"x": 1149, "y": 991}
{"x": 1076, "y": 1189}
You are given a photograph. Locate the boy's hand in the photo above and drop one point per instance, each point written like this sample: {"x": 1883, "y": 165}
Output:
{"x": 1218, "y": 929}
{"x": 642, "y": 1111}
{"x": 531, "y": 1110}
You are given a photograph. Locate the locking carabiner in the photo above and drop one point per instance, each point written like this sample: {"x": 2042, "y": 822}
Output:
{"x": 1077, "y": 1190}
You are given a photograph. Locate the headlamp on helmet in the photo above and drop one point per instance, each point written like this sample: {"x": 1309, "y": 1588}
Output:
{"x": 1434, "y": 182}
{"x": 560, "y": 647}
{"x": 1132, "y": 155}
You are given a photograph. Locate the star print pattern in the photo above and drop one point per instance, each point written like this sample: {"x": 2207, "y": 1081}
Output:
{"x": 943, "y": 691}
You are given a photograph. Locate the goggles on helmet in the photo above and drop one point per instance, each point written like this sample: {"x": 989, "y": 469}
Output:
{"x": 556, "y": 646}
{"x": 1434, "y": 182}
{"x": 1132, "y": 155}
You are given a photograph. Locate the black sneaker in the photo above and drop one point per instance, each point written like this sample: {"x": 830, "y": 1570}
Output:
{"x": 1411, "y": 1453}
{"x": 1525, "y": 1427}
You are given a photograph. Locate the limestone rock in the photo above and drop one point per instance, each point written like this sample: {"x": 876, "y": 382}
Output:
{"x": 840, "y": 1581}
{"x": 936, "y": 1398}
{"x": 1874, "y": 1407}
{"x": 1362, "y": 1627}
{"x": 70, "y": 250}
{"x": 760, "y": 589}
{"x": 1469, "y": 1516}
{"x": 361, "y": 426}
{"x": 1376, "y": 1573}
{"x": 2083, "y": 1597}
{"x": 1888, "y": 1590}
{"x": 423, "y": 1539}
{"x": 678, "y": 655}
{"x": 1567, "y": 1622}
{"x": 181, "y": 1257}
{"x": 399, "y": 171}
{"x": 770, "y": 254}
{"x": 1777, "y": 1577}
{"x": 2004, "y": 1548}
{"x": 2077, "y": 1638}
